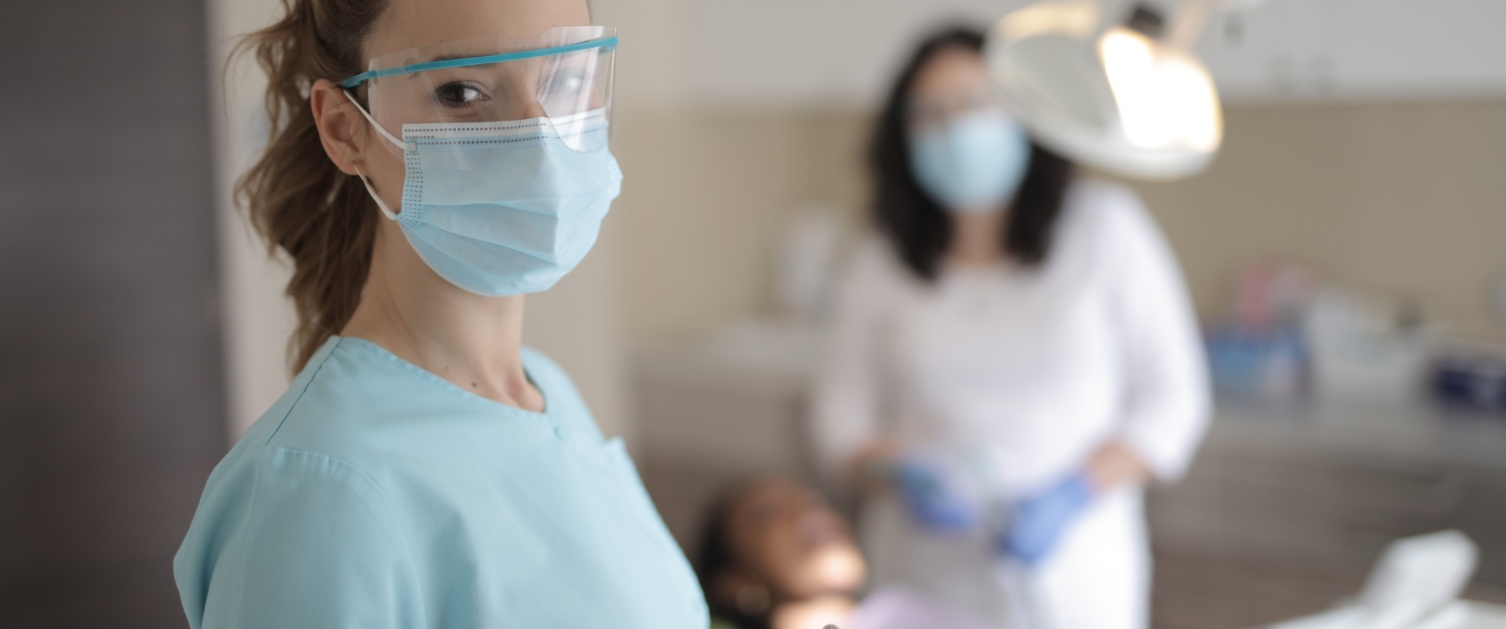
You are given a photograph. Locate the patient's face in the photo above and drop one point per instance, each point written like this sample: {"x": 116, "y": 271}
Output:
{"x": 789, "y": 538}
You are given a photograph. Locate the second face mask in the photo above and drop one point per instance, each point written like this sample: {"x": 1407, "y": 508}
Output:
{"x": 973, "y": 163}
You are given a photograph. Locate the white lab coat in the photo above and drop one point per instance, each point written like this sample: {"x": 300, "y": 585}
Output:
{"x": 1023, "y": 373}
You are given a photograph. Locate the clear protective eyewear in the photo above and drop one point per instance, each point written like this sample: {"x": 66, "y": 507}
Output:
{"x": 932, "y": 111}
{"x": 559, "y": 82}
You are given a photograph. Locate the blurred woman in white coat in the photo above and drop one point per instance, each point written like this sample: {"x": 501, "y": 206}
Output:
{"x": 1014, "y": 357}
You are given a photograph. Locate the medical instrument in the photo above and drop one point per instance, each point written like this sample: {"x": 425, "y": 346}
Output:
{"x": 1113, "y": 83}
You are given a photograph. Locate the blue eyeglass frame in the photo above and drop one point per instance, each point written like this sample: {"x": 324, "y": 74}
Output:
{"x": 354, "y": 81}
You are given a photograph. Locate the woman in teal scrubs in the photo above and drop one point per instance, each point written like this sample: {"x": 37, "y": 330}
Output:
{"x": 431, "y": 162}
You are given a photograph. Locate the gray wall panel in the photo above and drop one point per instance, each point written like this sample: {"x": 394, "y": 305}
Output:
{"x": 111, "y": 378}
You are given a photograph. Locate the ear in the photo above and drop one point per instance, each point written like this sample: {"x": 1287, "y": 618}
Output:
{"x": 342, "y": 129}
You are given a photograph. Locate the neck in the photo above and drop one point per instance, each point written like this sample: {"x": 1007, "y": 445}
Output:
{"x": 473, "y": 341}
{"x": 977, "y": 237}
{"x": 812, "y": 613}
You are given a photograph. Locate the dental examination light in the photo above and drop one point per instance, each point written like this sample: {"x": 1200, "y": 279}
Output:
{"x": 1113, "y": 84}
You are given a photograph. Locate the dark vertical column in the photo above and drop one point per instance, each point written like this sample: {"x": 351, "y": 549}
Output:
{"x": 111, "y": 378}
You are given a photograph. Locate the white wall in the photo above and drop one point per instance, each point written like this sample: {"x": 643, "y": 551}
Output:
{"x": 1360, "y": 50}
{"x": 802, "y": 54}
{"x": 258, "y": 319}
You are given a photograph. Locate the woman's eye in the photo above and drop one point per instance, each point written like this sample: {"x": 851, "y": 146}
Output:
{"x": 459, "y": 94}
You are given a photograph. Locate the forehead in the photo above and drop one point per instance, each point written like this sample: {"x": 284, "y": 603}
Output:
{"x": 409, "y": 24}
{"x": 951, "y": 69}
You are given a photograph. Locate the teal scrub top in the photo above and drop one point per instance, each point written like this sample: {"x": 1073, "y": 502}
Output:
{"x": 375, "y": 494}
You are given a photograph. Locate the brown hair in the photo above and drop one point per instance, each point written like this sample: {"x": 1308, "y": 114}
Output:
{"x": 297, "y": 199}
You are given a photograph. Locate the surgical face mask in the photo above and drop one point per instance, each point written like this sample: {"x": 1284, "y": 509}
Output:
{"x": 973, "y": 162}
{"x": 502, "y": 208}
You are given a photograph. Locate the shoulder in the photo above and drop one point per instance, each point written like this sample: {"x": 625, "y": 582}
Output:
{"x": 319, "y": 467}
{"x": 344, "y": 420}
{"x": 296, "y": 487}
{"x": 360, "y": 403}
{"x": 263, "y": 494}
{"x": 1104, "y": 207}
{"x": 292, "y": 534}
{"x": 323, "y": 408}
{"x": 237, "y": 471}
{"x": 1109, "y": 218}
{"x": 259, "y": 474}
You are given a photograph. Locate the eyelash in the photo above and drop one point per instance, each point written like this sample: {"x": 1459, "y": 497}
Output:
{"x": 575, "y": 81}
{"x": 441, "y": 93}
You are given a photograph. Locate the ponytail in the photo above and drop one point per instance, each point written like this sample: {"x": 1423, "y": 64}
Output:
{"x": 297, "y": 199}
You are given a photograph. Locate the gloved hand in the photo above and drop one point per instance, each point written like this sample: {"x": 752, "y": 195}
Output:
{"x": 1040, "y": 521}
{"x": 935, "y": 494}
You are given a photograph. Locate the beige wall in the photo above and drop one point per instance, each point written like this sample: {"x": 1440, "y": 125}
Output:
{"x": 1404, "y": 200}
{"x": 703, "y": 195}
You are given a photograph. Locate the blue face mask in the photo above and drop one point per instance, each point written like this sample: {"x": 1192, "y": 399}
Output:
{"x": 503, "y": 208}
{"x": 972, "y": 163}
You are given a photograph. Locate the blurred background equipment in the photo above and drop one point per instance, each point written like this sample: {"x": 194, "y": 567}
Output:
{"x": 1415, "y": 584}
{"x": 1364, "y": 171}
{"x": 1114, "y": 84}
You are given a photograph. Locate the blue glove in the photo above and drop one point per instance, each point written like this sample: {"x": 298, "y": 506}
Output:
{"x": 1040, "y": 520}
{"x": 933, "y": 498}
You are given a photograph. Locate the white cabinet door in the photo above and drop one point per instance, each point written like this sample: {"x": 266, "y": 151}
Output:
{"x": 819, "y": 53}
{"x": 803, "y": 53}
{"x": 1360, "y": 50}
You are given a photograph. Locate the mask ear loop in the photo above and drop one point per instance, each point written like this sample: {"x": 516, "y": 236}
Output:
{"x": 399, "y": 143}
{"x": 381, "y": 205}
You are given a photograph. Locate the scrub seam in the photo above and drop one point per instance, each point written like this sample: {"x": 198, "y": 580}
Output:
{"x": 387, "y": 507}
{"x": 305, "y": 390}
